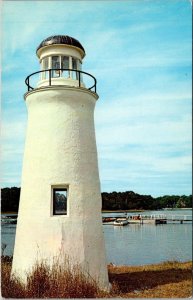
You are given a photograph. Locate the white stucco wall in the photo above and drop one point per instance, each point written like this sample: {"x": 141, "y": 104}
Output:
{"x": 60, "y": 151}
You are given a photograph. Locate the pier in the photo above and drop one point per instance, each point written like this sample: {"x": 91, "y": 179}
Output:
{"x": 148, "y": 219}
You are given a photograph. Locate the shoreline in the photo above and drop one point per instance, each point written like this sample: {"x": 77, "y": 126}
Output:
{"x": 143, "y": 210}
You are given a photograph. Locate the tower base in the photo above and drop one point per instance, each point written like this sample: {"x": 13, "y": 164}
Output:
{"x": 60, "y": 152}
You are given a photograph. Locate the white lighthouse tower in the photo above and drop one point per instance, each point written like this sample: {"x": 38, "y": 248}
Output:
{"x": 60, "y": 203}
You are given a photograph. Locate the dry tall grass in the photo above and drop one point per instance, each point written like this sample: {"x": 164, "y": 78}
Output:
{"x": 165, "y": 280}
{"x": 44, "y": 281}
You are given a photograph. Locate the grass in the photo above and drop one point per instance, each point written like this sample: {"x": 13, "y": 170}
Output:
{"x": 44, "y": 281}
{"x": 166, "y": 280}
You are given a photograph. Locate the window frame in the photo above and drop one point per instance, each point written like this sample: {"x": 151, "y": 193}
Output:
{"x": 59, "y": 189}
{"x": 74, "y": 73}
{"x": 43, "y": 67}
{"x": 54, "y": 72}
{"x": 61, "y": 65}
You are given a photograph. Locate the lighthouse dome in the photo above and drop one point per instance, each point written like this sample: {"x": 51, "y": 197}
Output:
{"x": 60, "y": 39}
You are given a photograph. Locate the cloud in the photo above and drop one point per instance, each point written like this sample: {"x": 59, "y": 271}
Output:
{"x": 12, "y": 137}
{"x": 147, "y": 120}
{"x": 13, "y": 129}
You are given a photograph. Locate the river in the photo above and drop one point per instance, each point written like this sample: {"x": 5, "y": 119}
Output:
{"x": 134, "y": 244}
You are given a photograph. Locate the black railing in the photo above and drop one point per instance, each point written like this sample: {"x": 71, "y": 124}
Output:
{"x": 50, "y": 77}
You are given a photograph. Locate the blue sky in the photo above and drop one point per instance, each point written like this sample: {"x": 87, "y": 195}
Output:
{"x": 140, "y": 53}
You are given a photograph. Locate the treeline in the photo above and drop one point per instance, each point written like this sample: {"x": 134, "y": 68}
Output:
{"x": 132, "y": 201}
{"x": 10, "y": 199}
{"x": 110, "y": 201}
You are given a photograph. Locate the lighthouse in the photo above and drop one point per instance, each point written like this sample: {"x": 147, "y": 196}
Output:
{"x": 60, "y": 202}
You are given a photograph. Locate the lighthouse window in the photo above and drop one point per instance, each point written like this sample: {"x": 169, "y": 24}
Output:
{"x": 55, "y": 65}
{"x": 65, "y": 65}
{"x": 80, "y": 68}
{"x": 59, "y": 201}
{"x": 74, "y": 66}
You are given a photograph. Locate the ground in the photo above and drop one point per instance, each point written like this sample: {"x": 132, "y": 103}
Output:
{"x": 166, "y": 280}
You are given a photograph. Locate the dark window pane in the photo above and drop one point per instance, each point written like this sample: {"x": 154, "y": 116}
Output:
{"x": 65, "y": 62}
{"x": 59, "y": 201}
{"x": 55, "y": 65}
{"x": 80, "y": 68}
{"x": 74, "y": 66}
{"x": 65, "y": 65}
{"x": 74, "y": 63}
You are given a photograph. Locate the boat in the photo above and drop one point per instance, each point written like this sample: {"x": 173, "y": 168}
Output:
{"x": 121, "y": 222}
{"x": 107, "y": 219}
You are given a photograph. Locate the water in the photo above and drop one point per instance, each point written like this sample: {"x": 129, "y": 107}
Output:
{"x": 136, "y": 244}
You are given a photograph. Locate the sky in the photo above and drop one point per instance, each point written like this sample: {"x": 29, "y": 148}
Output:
{"x": 140, "y": 53}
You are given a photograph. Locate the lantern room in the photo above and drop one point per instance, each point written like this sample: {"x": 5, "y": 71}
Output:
{"x": 60, "y": 60}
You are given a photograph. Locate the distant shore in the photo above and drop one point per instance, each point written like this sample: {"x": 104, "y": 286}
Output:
{"x": 141, "y": 210}
{"x": 117, "y": 211}
{"x": 123, "y": 211}
{"x": 9, "y": 213}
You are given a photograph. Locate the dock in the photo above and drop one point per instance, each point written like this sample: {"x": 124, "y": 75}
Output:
{"x": 154, "y": 219}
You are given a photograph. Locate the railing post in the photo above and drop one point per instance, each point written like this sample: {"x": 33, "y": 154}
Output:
{"x": 28, "y": 84}
{"x": 49, "y": 77}
{"x": 79, "y": 78}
